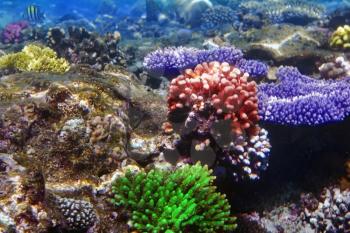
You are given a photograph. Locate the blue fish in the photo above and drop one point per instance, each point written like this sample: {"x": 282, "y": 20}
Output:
{"x": 33, "y": 13}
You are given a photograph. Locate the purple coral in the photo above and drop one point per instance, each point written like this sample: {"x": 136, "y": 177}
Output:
{"x": 171, "y": 61}
{"x": 12, "y": 33}
{"x": 301, "y": 100}
{"x": 255, "y": 69}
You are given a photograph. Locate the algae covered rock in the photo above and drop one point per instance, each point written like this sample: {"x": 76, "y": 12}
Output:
{"x": 73, "y": 130}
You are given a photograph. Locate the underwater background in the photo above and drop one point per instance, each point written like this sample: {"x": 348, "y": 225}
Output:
{"x": 171, "y": 116}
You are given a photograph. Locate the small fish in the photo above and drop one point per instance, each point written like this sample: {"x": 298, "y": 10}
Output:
{"x": 34, "y": 14}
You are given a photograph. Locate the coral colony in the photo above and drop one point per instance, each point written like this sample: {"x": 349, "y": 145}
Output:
{"x": 172, "y": 61}
{"x": 222, "y": 112}
{"x": 13, "y": 32}
{"x": 35, "y": 58}
{"x": 301, "y": 100}
{"x": 173, "y": 201}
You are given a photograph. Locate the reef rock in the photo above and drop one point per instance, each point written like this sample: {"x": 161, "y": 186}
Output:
{"x": 69, "y": 133}
{"x": 286, "y": 45}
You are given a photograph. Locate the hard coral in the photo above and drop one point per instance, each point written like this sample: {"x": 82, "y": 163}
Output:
{"x": 83, "y": 47}
{"x": 214, "y": 108}
{"x": 218, "y": 16}
{"x": 35, "y": 58}
{"x": 171, "y": 61}
{"x": 221, "y": 86}
{"x": 77, "y": 214}
{"x": 301, "y": 100}
{"x": 341, "y": 37}
{"x": 183, "y": 200}
{"x": 12, "y": 33}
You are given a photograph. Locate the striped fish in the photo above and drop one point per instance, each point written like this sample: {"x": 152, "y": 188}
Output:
{"x": 34, "y": 14}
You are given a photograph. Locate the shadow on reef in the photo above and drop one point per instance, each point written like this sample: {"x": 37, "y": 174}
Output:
{"x": 303, "y": 159}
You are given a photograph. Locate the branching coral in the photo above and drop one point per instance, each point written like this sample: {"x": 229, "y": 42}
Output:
{"x": 221, "y": 86}
{"x": 12, "y": 33}
{"x": 341, "y": 37}
{"x": 285, "y": 11}
{"x": 215, "y": 108}
{"x": 218, "y": 16}
{"x": 301, "y": 100}
{"x": 171, "y": 61}
{"x": 35, "y": 58}
{"x": 183, "y": 200}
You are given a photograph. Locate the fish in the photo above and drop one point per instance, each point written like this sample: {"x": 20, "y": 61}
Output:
{"x": 33, "y": 13}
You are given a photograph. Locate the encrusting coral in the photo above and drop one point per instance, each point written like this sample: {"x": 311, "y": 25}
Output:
{"x": 341, "y": 37}
{"x": 183, "y": 200}
{"x": 35, "y": 58}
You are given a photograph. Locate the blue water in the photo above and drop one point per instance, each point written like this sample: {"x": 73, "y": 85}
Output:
{"x": 91, "y": 8}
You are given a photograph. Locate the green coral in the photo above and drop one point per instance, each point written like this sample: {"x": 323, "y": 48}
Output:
{"x": 35, "y": 58}
{"x": 341, "y": 37}
{"x": 184, "y": 200}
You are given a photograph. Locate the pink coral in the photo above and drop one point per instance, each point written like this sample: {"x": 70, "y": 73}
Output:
{"x": 13, "y": 32}
{"x": 223, "y": 87}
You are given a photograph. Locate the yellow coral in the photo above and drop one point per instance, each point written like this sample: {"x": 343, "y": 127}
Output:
{"x": 35, "y": 58}
{"x": 341, "y": 37}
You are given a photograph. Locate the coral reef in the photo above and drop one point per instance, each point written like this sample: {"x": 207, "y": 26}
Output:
{"x": 108, "y": 123}
{"x": 174, "y": 201}
{"x": 329, "y": 213}
{"x": 215, "y": 107}
{"x": 172, "y": 61}
{"x": 12, "y": 33}
{"x": 35, "y": 58}
{"x": 337, "y": 69}
{"x": 80, "y": 46}
{"x": 341, "y": 37}
{"x": 301, "y": 100}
